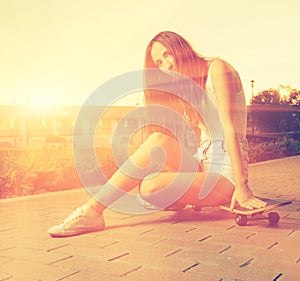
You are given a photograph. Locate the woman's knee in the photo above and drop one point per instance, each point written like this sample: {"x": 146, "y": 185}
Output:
{"x": 158, "y": 138}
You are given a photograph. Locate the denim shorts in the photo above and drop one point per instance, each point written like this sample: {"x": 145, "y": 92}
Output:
{"x": 214, "y": 158}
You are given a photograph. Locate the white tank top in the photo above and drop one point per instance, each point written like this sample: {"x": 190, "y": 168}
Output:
{"x": 239, "y": 113}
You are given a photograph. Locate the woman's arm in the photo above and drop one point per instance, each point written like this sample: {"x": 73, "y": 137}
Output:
{"x": 226, "y": 83}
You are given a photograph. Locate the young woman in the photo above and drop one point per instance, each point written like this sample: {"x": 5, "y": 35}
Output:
{"x": 222, "y": 154}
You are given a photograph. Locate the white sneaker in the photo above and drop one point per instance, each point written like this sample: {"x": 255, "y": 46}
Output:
{"x": 82, "y": 220}
{"x": 147, "y": 205}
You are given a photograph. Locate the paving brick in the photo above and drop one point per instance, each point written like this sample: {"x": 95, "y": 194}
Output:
{"x": 32, "y": 255}
{"x": 97, "y": 267}
{"x": 159, "y": 260}
{"x": 4, "y": 259}
{"x": 228, "y": 272}
{"x": 287, "y": 276}
{"x": 5, "y": 276}
{"x": 148, "y": 274}
{"x": 34, "y": 270}
{"x": 91, "y": 276}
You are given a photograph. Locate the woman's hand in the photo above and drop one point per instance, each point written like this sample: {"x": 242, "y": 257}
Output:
{"x": 245, "y": 198}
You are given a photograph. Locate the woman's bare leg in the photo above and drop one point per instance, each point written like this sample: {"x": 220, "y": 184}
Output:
{"x": 158, "y": 152}
{"x": 221, "y": 189}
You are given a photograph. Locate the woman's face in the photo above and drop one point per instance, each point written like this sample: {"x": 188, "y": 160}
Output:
{"x": 162, "y": 57}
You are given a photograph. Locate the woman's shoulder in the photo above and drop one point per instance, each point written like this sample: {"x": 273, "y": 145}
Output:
{"x": 218, "y": 63}
{"x": 220, "y": 66}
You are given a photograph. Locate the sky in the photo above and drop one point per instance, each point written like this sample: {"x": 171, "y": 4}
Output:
{"x": 58, "y": 52}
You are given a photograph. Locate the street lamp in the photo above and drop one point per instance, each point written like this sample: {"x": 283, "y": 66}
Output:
{"x": 252, "y": 110}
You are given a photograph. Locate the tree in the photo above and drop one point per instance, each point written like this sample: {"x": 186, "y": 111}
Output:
{"x": 266, "y": 97}
{"x": 294, "y": 98}
{"x": 281, "y": 96}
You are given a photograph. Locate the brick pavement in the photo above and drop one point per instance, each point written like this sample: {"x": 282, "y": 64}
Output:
{"x": 159, "y": 246}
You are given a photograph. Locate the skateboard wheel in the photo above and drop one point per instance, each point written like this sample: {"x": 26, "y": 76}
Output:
{"x": 273, "y": 218}
{"x": 197, "y": 208}
{"x": 241, "y": 220}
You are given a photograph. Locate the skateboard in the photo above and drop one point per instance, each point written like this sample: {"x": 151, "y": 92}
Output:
{"x": 242, "y": 215}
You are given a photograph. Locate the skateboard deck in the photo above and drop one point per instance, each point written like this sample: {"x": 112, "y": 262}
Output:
{"x": 243, "y": 214}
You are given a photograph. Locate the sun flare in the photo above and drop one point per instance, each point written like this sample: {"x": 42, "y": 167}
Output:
{"x": 284, "y": 92}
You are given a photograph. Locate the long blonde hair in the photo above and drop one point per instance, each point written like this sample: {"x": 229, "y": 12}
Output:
{"x": 188, "y": 63}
